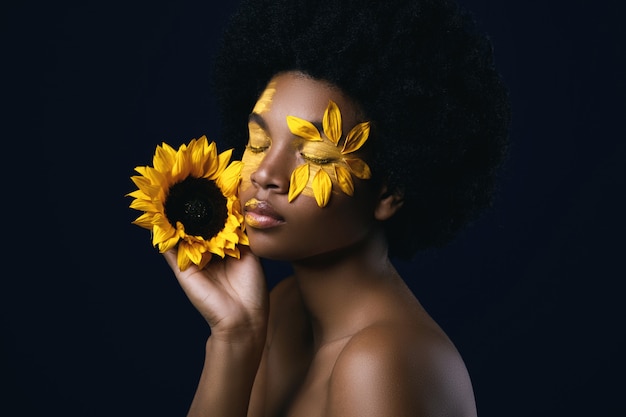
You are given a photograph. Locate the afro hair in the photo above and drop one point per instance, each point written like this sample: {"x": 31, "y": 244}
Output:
{"x": 422, "y": 74}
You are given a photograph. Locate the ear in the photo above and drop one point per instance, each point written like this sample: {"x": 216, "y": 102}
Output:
{"x": 388, "y": 203}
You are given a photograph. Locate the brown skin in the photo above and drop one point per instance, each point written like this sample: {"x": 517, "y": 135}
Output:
{"x": 344, "y": 336}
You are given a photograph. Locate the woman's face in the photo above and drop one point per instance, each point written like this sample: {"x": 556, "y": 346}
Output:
{"x": 301, "y": 228}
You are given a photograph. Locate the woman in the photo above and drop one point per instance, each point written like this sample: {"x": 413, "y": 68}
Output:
{"x": 374, "y": 129}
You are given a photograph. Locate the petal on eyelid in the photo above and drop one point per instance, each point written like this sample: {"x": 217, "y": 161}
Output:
{"x": 332, "y": 122}
{"x": 299, "y": 180}
{"x": 322, "y": 186}
{"x": 303, "y": 128}
{"x": 344, "y": 179}
{"x": 356, "y": 138}
{"x": 359, "y": 168}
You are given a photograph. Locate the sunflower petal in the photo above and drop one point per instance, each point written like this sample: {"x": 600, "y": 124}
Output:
{"x": 359, "y": 168}
{"x": 228, "y": 181}
{"x": 332, "y": 122}
{"x": 198, "y": 153}
{"x": 344, "y": 179}
{"x": 299, "y": 180}
{"x": 210, "y": 163}
{"x": 145, "y": 221}
{"x": 164, "y": 158}
{"x": 222, "y": 163}
{"x": 183, "y": 259}
{"x": 162, "y": 234}
{"x": 142, "y": 205}
{"x": 356, "y": 138}
{"x": 182, "y": 165}
{"x": 303, "y": 129}
{"x": 322, "y": 186}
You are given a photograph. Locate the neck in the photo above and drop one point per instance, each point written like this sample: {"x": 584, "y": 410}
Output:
{"x": 337, "y": 288}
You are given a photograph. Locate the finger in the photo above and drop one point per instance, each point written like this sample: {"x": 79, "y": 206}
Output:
{"x": 170, "y": 257}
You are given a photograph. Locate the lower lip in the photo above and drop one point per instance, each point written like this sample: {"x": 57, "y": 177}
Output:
{"x": 260, "y": 221}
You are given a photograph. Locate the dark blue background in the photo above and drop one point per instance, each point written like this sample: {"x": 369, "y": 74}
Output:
{"x": 93, "y": 321}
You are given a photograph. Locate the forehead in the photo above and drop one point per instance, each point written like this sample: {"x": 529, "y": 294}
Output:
{"x": 299, "y": 95}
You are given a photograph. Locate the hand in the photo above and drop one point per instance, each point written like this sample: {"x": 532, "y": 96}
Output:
{"x": 231, "y": 294}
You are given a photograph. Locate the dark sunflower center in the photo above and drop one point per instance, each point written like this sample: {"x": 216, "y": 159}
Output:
{"x": 199, "y": 205}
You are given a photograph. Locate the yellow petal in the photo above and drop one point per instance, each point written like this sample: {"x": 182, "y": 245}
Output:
{"x": 162, "y": 234}
{"x": 154, "y": 176}
{"x": 145, "y": 221}
{"x": 183, "y": 260}
{"x": 303, "y": 129}
{"x": 344, "y": 179}
{"x": 140, "y": 181}
{"x": 332, "y": 122}
{"x": 356, "y": 138}
{"x": 210, "y": 163}
{"x": 164, "y": 158}
{"x": 206, "y": 258}
{"x": 229, "y": 180}
{"x": 192, "y": 251}
{"x": 143, "y": 205}
{"x": 299, "y": 180}
{"x": 182, "y": 165}
{"x": 359, "y": 168}
{"x": 222, "y": 163}
{"x": 198, "y": 153}
{"x": 322, "y": 186}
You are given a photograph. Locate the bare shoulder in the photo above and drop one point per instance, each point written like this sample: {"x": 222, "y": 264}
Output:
{"x": 400, "y": 369}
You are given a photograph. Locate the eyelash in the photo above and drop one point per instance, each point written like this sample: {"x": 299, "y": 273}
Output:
{"x": 315, "y": 160}
{"x": 257, "y": 149}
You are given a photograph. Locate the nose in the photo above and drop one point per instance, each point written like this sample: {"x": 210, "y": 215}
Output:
{"x": 274, "y": 171}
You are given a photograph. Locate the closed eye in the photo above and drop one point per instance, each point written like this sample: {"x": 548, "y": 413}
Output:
{"x": 316, "y": 160}
{"x": 257, "y": 149}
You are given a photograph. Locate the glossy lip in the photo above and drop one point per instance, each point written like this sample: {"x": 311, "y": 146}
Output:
{"x": 261, "y": 215}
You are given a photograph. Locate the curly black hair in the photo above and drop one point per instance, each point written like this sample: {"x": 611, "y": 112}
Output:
{"x": 424, "y": 76}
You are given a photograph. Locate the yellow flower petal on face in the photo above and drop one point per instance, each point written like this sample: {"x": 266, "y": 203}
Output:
{"x": 359, "y": 168}
{"x": 356, "y": 138}
{"x": 298, "y": 181}
{"x": 344, "y": 179}
{"x": 322, "y": 186}
{"x": 303, "y": 129}
{"x": 332, "y": 122}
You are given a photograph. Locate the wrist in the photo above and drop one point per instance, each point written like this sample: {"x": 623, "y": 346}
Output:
{"x": 248, "y": 335}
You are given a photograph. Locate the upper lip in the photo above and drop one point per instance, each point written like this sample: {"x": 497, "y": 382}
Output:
{"x": 261, "y": 207}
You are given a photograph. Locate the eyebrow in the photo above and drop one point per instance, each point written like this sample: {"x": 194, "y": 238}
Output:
{"x": 258, "y": 119}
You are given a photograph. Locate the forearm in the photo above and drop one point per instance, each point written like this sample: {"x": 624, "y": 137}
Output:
{"x": 227, "y": 377}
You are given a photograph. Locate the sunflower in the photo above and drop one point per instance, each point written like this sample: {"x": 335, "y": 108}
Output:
{"x": 326, "y": 161}
{"x": 189, "y": 199}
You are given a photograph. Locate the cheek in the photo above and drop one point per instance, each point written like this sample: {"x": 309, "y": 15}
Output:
{"x": 251, "y": 162}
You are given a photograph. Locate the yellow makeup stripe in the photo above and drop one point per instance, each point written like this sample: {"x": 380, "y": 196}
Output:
{"x": 265, "y": 101}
